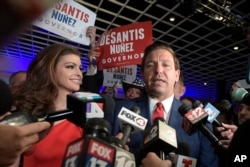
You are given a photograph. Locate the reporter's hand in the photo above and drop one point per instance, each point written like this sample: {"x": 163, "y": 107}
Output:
{"x": 227, "y": 131}
{"x": 4, "y": 115}
{"x": 153, "y": 160}
{"x": 15, "y": 140}
{"x": 119, "y": 136}
{"x": 225, "y": 143}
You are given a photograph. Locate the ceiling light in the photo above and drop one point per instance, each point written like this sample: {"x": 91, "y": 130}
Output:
{"x": 236, "y": 48}
{"x": 172, "y": 19}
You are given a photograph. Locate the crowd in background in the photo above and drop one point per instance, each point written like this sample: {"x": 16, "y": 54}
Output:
{"x": 56, "y": 72}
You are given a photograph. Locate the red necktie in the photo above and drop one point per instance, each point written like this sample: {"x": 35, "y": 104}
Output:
{"x": 158, "y": 112}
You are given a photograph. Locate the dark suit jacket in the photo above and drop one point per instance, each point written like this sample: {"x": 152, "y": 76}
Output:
{"x": 200, "y": 146}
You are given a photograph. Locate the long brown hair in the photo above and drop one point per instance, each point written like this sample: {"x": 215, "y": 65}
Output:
{"x": 38, "y": 93}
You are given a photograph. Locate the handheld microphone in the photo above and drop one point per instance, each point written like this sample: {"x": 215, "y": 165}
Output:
{"x": 85, "y": 106}
{"x": 93, "y": 149}
{"x": 81, "y": 106}
{"x": 109, "y": 102}
{"x": 129, "y": 120}
{"x": 196, "y": 119}
{"x": 19, "y": 118}
{"x": 181, "y": 157}
{"x": 212, "y": 114}
{"x": 211, "y": 111}
{"x": 241, "y": 95}
{"x": 6, "y": 98}
{"x": 160, "y": 139}
{"x": 123, "y": 158}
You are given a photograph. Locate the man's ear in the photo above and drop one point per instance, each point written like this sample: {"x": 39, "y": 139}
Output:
{"x": 177, "y": 73}
{"x": 183, "y": 90}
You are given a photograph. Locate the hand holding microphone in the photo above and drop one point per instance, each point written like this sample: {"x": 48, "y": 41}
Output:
{"x": 93, "y": 149}
{"x": 195, "y": 119}
{"x": 130, "y": 122}
{"x": 17, "y": 139}
{"x": 152, "y": 159}
{"x": 160, "y": 139}
{"x": 226, "y": 134}
{"x": 211, "y": 111}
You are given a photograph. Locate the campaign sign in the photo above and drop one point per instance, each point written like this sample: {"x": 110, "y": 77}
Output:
{"x": 124, "y": 45}
{"x": 68, "y": 19}
{"x": 116, "y": 75}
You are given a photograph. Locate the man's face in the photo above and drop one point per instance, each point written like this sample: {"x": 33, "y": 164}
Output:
{"x": 244, "y": 113}
{"x": 159, "y": 74}
{"x": 133, "y": 93}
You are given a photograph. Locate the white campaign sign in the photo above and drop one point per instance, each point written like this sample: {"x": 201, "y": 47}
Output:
{"x": 119, "y": 74}
{"x": 68, "y": 19}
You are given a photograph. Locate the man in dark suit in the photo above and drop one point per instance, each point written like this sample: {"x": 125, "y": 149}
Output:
{"x": 160, "y": 71}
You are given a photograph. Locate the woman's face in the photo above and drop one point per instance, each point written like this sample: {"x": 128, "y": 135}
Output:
{"x": 68, "y": 73}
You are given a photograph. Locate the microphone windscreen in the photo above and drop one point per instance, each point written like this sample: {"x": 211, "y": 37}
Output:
{"x": 97, "y": 127}
{"x": 136, "y": 109}
{"x": 6, "y": 98}
{"x": 238, "y": 94}
{"x": 183, "y": 109}
{"x": 109, "y": 104}
{"x": 196, "y": 104}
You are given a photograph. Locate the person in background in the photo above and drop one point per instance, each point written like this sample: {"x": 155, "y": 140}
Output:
{"x": 180, "y": 88}
{"x": 243, "y": 113}
{"x": 93, "y": 78}
{"x": 135, "y": 89}
{"x": 160, "y": 72}
{"x": 226, "y": 115}
{"x": 239, "y": 147}
{"x": 52, "y": 75}
{"x": 187, "y": 100}
{"x": 240, "y": 108}
{"x": 16, "y": 79}
{"x": 132, "y": 90}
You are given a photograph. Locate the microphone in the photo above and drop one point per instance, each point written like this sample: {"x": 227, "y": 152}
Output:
{"x": 211, "y": 111}
{"x": 81, "y": 106}
{"x": 181, "y": 157}
{"x": 109, "y": 104}
{"x": 6, "y": 98}
{"x": 93, "y": 149}
{"x": 160, "y": 139}
{"x": 19, "y": 118}
{"x": 130, "y": 122}
{"x": 241, "y": 95}
{"x": 85, "y": 106}
{"x": 195, "y": 119}
{"x": 123, "y": 158}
